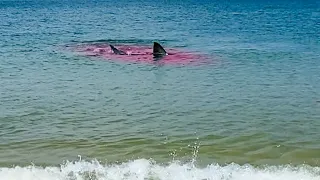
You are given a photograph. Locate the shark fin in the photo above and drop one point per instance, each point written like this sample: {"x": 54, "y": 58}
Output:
{"x": 117, "y": 51}
{"x": 158, "y": 50}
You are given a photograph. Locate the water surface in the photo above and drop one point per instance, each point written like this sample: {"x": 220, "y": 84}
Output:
{"x": 256, "y": 107}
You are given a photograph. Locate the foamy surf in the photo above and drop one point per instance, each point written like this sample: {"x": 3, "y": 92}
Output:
{"x": 143, "y": 169}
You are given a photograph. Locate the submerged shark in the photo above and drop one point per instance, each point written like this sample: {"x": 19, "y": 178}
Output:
{"x": 157, "y": 51}
{"x": 142, "y": 54}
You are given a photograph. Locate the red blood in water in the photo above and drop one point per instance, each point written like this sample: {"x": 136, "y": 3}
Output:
{"x": 143, "y": 54}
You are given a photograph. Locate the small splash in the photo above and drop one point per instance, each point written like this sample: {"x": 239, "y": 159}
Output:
{"x": 143, "y": 169}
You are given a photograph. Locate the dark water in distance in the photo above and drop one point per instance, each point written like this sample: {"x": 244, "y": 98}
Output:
{"x": 257, "y": 106}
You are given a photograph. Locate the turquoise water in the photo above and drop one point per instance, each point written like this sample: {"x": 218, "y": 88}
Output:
{"x": 254, "y": 113}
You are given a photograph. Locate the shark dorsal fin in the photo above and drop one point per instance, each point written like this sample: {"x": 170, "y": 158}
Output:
{"x": 158, "y": 50}
{"x": 117, "y": 51}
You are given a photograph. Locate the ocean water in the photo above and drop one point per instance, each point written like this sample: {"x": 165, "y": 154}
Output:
{"x": 252, "y": 113}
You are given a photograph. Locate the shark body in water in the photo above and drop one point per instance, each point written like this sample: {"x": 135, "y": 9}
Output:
{"x": 133, "y": 53}
{"x": 157, "y": 51}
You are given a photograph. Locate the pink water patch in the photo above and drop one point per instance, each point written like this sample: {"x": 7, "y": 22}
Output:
{"x": 143, "y": 54}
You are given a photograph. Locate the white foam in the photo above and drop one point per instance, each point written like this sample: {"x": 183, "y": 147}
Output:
{"x": 143, "y": 169}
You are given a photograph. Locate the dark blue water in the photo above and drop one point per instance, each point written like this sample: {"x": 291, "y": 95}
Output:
{"x": 258, "y": 103}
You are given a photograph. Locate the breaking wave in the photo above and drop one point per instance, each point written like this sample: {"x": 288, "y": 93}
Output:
{"x": 143, "y": 169}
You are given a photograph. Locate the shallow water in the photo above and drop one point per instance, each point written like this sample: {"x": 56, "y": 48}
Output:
{"x": 257, "y": 106}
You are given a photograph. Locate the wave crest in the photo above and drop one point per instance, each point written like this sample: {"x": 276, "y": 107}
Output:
{"x": 142, "y": 169}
